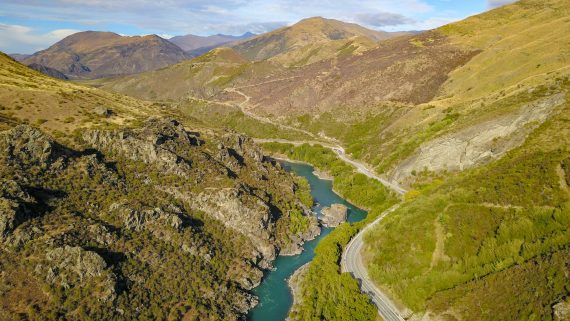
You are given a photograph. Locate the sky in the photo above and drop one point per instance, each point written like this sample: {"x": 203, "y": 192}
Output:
{"x": 27, "y": 26}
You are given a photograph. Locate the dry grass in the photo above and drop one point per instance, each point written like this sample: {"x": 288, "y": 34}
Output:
{"x": 59, "y": 107}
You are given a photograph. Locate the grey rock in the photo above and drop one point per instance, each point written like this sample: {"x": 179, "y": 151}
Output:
{"x": 13, "y": 208}
{"x": 103, "y": 111}
{"x": 334, "y": 216}
{"x": 70, "y": 266}
{"x": 159, "y": 142}
{"x": 24, "y": 146}
{"x": 562, "y": 311}
{"x": 480, "y": 143}
{"x": 139, "y": 220}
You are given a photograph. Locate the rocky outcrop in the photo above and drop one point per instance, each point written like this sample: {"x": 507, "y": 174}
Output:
{"x": 295, "y": 247}
{"x": 294, "y": 282}
{"x": 103, "y": 111}
{"x": 240, "y": 211}
{"x": 562, "y": 311}
{"x": 69, "y": 266}
{"x": 158, "y": 142}
{"x": 25, "y": 146}
{"x": 14, "y": 207}
{"x": 334, "y": 216}
{"x": 138, "y": 220}
{"x": 137, "y": 204}
{"x": 479, "y": 143}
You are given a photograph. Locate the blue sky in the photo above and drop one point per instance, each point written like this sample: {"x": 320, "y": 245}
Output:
{"x": 27, "y": 26}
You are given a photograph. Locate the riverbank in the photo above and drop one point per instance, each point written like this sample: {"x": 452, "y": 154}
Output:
{"x": 344, "y": 298}
{"x": 294, "y": 283}
{"x": 274, "y": 293}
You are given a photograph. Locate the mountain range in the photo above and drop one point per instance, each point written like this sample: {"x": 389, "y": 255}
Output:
{"x": 89, "y": 54}
{"x": 198, "y": 45}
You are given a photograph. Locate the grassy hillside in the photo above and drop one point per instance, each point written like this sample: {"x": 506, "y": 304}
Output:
{"x": 522, "y": 45}
{"x": 509, "y": 217}
{"x": 487, "y": 91}
{"x": 315, "y": 52}
{"x": 201, "y": 77}
{"x": 305, "y": 32}
{"x": 491, "y": 242}
{"x": 60, "y": 107}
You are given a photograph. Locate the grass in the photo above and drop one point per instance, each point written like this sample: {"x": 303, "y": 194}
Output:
{"x": 509, "y": 58}
{"x": 30, "y": 97}
{"x": 497, "y": 219}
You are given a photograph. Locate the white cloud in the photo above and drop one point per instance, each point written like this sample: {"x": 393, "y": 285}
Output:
{"x": 22, "y": 39}
{"x": 383, "y": 19}
{"x": 434, "y": 22}
{"x": 165, "y": 35}
{"x": 498, "y": 3}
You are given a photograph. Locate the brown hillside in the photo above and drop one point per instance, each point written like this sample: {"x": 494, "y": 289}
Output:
{"x": 90, "y": 54}
{"x": 306, "y": 32}
{"x": 407, "y": 69}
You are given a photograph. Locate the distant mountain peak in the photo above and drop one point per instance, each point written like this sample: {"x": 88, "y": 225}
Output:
{"x": 96, "y": 54}
{"x": 308, "y": 31}
{"x": 197, "y": 45}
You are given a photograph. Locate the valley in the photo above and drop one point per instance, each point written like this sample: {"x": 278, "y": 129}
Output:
{"x": 146, "y": 178}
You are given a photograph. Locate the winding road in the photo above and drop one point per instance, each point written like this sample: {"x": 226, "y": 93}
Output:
{"x": 351, "y": 262}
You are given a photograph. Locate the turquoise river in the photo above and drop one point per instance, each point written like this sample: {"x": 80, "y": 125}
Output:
{"x": 275, "y": 298}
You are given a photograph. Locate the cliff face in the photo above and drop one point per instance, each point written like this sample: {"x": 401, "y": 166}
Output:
{"x": 137, "y": 213}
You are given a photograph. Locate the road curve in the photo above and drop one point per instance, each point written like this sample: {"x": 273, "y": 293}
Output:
{"x": 351, "y": 262}
{"x": 342, "y": 155}
{"x": 362, "y": 168}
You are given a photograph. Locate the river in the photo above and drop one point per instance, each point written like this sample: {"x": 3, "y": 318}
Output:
{"x": 274, "y": 294}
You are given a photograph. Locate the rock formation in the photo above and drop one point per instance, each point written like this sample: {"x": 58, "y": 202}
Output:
{"x": 334, "y": 216}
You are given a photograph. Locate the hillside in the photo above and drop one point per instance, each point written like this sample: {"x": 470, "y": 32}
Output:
{"x": 48, "y": 71}
{"x": 200, "y": 77}
{"x": 102, "y": 196}
{"x": 91, "y": 54}
{"x": 198, "y": 45}
{"x": 471, "y": 117}
{"x": 314, "y": 40}
{"x": 480, "y": 137}
{"x": 60, "y": 107}
{"x": 305, "y": 32}
{"x": 484, "y": 232}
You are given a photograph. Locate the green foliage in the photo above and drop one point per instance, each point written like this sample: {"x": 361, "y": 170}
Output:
{"x": 326, "y": 293}
{"x": 197, "y": 113}
{"x": 472, "y": 230}
{"x": 546, "y": 276}
{"x": 299, "y": 223}
{"x": 355, "y": 187}
{"x": 303, "y": 192}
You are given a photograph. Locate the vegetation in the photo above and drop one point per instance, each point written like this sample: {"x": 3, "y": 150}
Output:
{"x": 27, "y": 96}
{"x": 468, "y": 232}
{"x": 326, "y": 294}
{"x": 203, "y": 114}
{"x": 163, "y": 258}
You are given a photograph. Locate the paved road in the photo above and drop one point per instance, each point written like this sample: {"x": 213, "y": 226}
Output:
{"x": 362, "y": 168}
{"x": 342, "y": 155}
{"x": 352, "y": 262}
